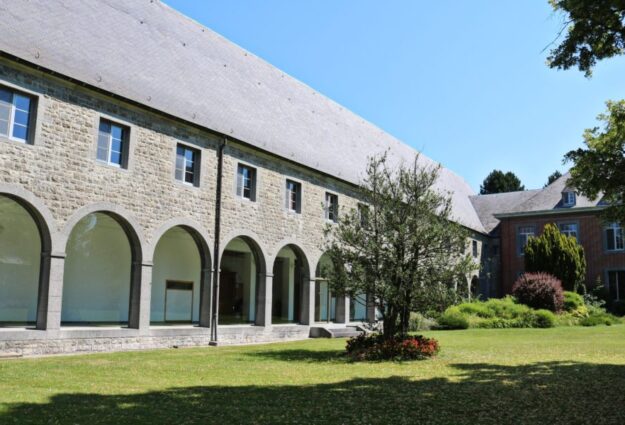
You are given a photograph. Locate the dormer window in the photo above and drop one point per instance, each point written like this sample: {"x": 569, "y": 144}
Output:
{"x": 568, "y": 199}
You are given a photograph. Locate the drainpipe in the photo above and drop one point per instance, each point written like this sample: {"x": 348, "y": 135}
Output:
{"x": 217, "y": 236}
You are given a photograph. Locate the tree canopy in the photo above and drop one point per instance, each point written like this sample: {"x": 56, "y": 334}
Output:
{"x": 498, "y": 182}
{"x": 557, "y": 254}
{"x": 400, "y": 245}
{"x": 553, "y": 177}
{"x": 595, "y": 30}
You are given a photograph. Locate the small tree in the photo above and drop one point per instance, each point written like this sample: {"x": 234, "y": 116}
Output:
{"x": 553, "y": 177}
{"x": 406, "y": 245}
{"x": 557, "y": 254}
{"x": 498, "y": 182}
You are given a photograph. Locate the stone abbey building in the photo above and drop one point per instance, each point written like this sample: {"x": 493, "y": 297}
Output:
{"x": 161, "y": 186}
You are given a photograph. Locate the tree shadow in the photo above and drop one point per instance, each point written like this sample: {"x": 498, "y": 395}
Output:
{"x": 540, "y": 393}
{"x": 301, "y": 355}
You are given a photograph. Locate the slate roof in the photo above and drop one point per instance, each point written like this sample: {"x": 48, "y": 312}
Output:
{"x": 538, "y": 201}
{"x": 147, "y": 52}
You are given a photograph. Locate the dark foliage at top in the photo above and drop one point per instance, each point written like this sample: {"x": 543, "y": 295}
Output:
{"x": 498, "y": 182}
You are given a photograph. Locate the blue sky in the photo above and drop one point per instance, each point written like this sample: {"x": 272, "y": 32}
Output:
{"x": 463, "y": 82}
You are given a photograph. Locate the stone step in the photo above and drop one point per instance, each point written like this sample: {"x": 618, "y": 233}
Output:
{"x": 331, "y": 332}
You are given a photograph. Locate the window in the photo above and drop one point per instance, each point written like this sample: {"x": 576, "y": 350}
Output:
{"x": 568, "y": 199}
{"x": 569, "y": 229}
{"x": 187, "y": 165}
{"x": 112, "y": 144}
{"x": 293, "y": 196}
{"x": 614, "y": 237}
{"x": 332, "y": 207}
{"x": 525, "y": 232}
{"x": 616, "y": 284}
{"x": 15, "y": 115}
{"x": 246, "y": 182}
{"x": 363, "y": 213}
{"x": 474, "y": 248}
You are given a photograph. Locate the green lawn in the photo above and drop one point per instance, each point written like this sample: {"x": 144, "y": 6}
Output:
{"x": 509, "y": 376}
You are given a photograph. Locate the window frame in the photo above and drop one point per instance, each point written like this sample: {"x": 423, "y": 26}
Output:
{"x": 474, "y": 248}
{"x": 566, "y": 201}
{"x": 33, "y": 126}
{"x": 125, "y": 152}
{"x": 289, "y": 194}
{"x": 253, "y": 182}
{"x": 521, "y": 248}
{"x": 196, "y": 165}
{"x": 567, "y": 232}
{"x": 608, "y": 283}
{"x": 614, "y": 227}
{"x": 330, "y": 207}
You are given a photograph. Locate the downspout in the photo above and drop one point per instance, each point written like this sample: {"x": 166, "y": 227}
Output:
{"x": 217, "y": 236}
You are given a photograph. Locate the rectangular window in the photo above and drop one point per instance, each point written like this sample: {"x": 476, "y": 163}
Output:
{"x": 332, "y": 207}
{"x": 474, "y": 247}
{"x": 614, "y": 237}
{"x": 616, "y": 284}
{"x": 568, "y": 199}
{"x": 246, "y": 182}
{"x": 524, "y": 233}
{"x": 363, "y": 213}
{"x": 15, "y": 115}
{"x": 293, "y": 196}
{"x": 569, "y": 229}
{"x": 112, "y": 143}
{"x": 187, "y": 165}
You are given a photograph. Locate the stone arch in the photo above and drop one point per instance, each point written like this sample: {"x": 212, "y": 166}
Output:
{"x": 253, "y": 240}
{"x": 474, "y": 287}
{"x": 106, "y": 212}
{"x": 290, "y": 287}
{"x": 328, "y": 307}
{"x": 242, "y": 280}
{"x": 199, "y": 299}
{"x": 44, "y": 223}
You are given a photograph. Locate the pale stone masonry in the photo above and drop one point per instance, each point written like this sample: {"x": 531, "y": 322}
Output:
{"x": 57, "y": 180}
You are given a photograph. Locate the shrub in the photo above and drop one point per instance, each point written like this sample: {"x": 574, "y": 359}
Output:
{"x": 505, "y": 308}
{"x": 572, "y": 301}
{"x": 544, "y": 319}
{"x": 374, "y": 347}
{"x": 453, "y": 318}
{"x": 477, "y": 309}
{"x": 599, "y": 318}
{"x": 420, "y": 322}
{"x": 539, "y": 290}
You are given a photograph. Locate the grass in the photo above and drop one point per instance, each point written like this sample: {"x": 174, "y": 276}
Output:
{"x": 567, "y": 375}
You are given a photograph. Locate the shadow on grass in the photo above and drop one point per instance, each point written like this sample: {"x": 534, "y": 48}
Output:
{"x": 301, "y": 355}
{"x": 540, "y": 393}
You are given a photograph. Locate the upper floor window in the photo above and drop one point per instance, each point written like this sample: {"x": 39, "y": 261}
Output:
{"x": 293, "y": 196}
{"x": 112, "y": 144}
{"x": 568, "y": 199}
{"x": 16, "y": 111}
{"x": 524, "y": 233}
{"x": 569, "y": 229}
{"x": 363, "y": 214}
{"x": 332, "y": 207}
{"x": 616, "y": 284}
{"x": 188, "y": 165}
{"x": 246, "y": 182}
{"x": 614, "y": 237}
{"x": 474, "y": 248}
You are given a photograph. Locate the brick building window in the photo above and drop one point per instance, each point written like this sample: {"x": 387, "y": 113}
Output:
{"x": 614, "y": 237}
{"x": 332, "y": 207}
{"x": 569, "y": 229}
{"x": 246, "y": 182}
{"x": 112, "y": 144}
{"x": 16, "y": 115}
{"x": 616, "y": 284}
{"x": 293, "y": 196}
{"x": 188, "y": 165}
{"x": 523, "y": 235}
{"x": 568, "y": 199}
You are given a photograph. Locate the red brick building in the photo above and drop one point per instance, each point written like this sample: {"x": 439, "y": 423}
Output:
{"x": 511, "y": 218}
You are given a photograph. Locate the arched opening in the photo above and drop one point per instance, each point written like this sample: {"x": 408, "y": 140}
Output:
{"x": 180, "y": 257}
{"x": 241, "y": 264}
{"x": 325, "y": 301}
{"x": 290, "y": 270}
{"x": 474, "y": 288}
{"x": 22, "y": 242}
{"x": 102, "y": 253}
{"x": 358, "y": 308}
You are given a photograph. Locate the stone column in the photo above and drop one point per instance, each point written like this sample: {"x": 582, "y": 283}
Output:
{"x": 265, "y": 298}
{"x": 136, "y": 292}
{"x": 206, "y": 298}
{"x": 145, "y": 298}
{"x": 308, "y": 302}
{"x": 342, "y": 309}
{"x": 51, "y": 293}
